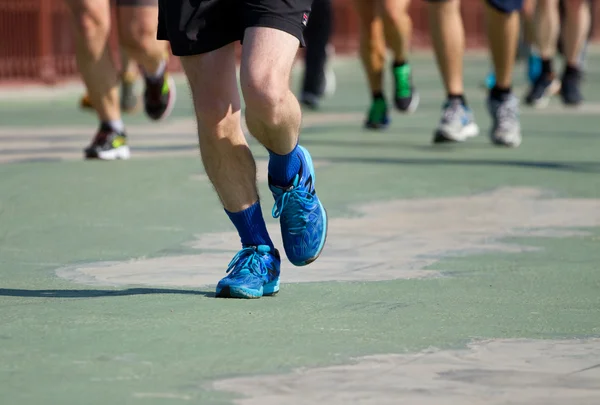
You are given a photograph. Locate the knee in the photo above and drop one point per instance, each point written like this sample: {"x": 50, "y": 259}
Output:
{"x": 394, "y": 12}
{"x": 391, "y": 18}
{"x": 264, "y": 92}
{"x": 92, "y": 27}
{"x": 217, "y": 118}
{"x": 528, "y": 9}
{"x": 138, "y": 37}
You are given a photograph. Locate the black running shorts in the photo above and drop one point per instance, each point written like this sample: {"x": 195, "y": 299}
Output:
{"x": 199, "y": 26}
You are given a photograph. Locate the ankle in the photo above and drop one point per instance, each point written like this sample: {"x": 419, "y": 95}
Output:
{"x": 115, "y": 125}
{"x": 283, "y": 168}
{"x": 457, "y": 97}
{"x": 159, "y": 72}
{"x": 251, "y": 226}
{"x": 571, "y": 69}
{"x": 500, "y": 93}
{"x": 546, "y": 66}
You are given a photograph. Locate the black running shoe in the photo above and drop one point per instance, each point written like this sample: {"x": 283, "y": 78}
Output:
{"x": 159, "y": 97}
{"x": 570, "y": 91}
{"x": 542, "y": 90}
{"x": 108, "y": 144}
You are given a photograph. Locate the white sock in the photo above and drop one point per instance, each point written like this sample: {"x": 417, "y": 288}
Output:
{"x": 159, "y": 72}
{"x": 116, "y": 125}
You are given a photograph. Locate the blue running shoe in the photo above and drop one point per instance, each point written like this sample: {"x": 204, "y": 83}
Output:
{"x": 490, "y": 80}
{"x": 302, "y": 216}
{"x": 534, "y": 67}
{"x": 457, "y": 123}
{"x": 253, "y": 272}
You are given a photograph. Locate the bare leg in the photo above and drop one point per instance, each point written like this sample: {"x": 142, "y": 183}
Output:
{"x": 397, "y": 26}
{"x": 398, "y": 33}
{"x": 577, "y": 26}
{"x": 548, "y": 27}
{"x": 448, "y": 35}
{"x": 503, "y": 36}
{"x": 129, "y": 74}
{"x": 137, "y": 30}
{"x": 372, "y": 44}
{"x": 128, "y": 66}
{"x": 528, "y": 16}
{"x": 92, "y": 25}
{"x": 457, "y": 123}
{"x": 273, "y": 117}
{"x": 548, "y": 30}
{"x": 224, "y": 150}
{"x": 576, "y": 29}
{"x": 272, "y": 111}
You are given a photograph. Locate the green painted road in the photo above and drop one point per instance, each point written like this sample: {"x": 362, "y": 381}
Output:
{"x": 64, "y": 342}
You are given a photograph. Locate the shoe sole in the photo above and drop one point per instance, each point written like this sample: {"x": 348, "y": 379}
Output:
{"x": 120, "y": 153}
{"x": 552, "y": 90}
{"x": 371, "y": 126}
{"x": 268, "y": 289}
{"x": 469, "y": 131}
{"x": 571, "y": 103}
{"x": 501, "y": 143}
{"x": 309, "y": 162}
{"x": 412, "y": 106}
{"x": 376, "y": 127}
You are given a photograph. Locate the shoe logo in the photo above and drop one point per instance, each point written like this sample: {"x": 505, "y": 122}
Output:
{"x": 305, "y": 19}
{"x": 118, "y": 142}
{"x": 309, "y": 183}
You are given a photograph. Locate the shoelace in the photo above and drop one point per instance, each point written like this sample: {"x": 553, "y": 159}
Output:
{"x": 403, "y": 79}
{"x": 248, "y": 259}
{"x": 293, "y": 202}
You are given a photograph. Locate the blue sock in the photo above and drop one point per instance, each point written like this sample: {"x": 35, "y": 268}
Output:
{"x": 283, "y": 168}
{"x": 251, "y": 226}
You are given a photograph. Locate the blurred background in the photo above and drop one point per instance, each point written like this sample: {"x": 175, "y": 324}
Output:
{"x": 36, "y": 43}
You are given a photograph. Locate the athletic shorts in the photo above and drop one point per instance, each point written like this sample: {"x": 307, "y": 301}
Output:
{"x": 200, "y": 26}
